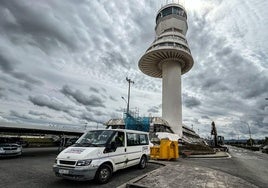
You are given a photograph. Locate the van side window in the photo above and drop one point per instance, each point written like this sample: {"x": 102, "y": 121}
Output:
{"x": 118, "y": 139}
{"x": 134, "y": 139}
{"x": 144, "y": 139}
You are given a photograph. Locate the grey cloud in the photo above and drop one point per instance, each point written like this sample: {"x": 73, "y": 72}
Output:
{"x": 112, "y": 59}
{"x": 36, "y": 113}
{"x": 43, "y": 26}
{"x": 67, "y": 118}
{"x": 153, "y": 109}
{"x": 2, "y": 93}
{"x": 101, "y": 91}
{"x": 92, "y": 100}
{"x": 205, "y": 117}
{"x": 113, "y": 99}
{"x": 88, "y": 117}
{"x": 52, "y": 103}
{"x": 225, "y": 51}
{"x": 52, "y": 43}
{"x": 99, "y": 113}
{"x": 222, "y": 76}
{"x": 26, "y": 78}
{"x": 7, "y": 66}
{"x": 190, "y": 101}
{"x": 232, "y": 135}
{"x": 212, "y": 84}
{"x": 120, "y": 110}
{"x": 26, "y": 86}
{"x": 95, "y": 112}
{"x": 191, "y": 120}
{"x": 15, "y": 91}
{"x": 94, "y": 89}
{"x": 18, "y": 115}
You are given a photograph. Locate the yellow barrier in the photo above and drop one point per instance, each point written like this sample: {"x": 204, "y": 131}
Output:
{"x": 166, "y": 151}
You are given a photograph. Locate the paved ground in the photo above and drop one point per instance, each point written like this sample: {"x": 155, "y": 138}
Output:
{"x": 244, "y": 169}
{"x": 185, "y": 175}
{"x": 34, "y": 170}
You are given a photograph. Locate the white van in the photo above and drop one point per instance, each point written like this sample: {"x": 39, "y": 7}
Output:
{"x": 99, "y": 153}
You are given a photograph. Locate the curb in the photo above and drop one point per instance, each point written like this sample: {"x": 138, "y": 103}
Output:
{"x": 132, "y": 183}
{"x": 226, "y": 155}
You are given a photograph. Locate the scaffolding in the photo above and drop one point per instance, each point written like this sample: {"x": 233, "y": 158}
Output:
{"x": 137, "y": 123}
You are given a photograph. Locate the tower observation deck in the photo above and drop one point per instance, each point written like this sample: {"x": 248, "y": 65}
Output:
{"x": 168, "y": 58}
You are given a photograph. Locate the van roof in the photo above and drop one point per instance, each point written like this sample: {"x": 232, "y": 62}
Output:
{"x": 123, "y": 130}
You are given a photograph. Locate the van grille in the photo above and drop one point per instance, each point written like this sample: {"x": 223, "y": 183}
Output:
{"x": 62, "y": 162}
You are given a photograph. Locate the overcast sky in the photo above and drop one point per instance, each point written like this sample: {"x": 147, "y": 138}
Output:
{"x": 66, "y": 62}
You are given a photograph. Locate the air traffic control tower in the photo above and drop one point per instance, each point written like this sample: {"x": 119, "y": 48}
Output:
{"x": 168, "y": 58}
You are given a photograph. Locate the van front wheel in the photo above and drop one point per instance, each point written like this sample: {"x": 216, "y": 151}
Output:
{"x": 143, "y": 162}
{"x": 103, "y": 174}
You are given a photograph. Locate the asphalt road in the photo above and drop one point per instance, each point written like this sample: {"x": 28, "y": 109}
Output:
{"x": 34, "y": 169}
{"x": 248, "y": 165}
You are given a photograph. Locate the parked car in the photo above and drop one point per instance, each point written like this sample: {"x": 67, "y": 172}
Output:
{"x": 14, "y": 140}
{"x": 265, "y": 149}
{"x": 10, "y": 149}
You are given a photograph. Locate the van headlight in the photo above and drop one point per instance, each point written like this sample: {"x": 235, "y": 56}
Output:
{"x": 83, "y": 162}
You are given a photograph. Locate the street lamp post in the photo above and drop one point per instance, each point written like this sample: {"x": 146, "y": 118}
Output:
{"x": 129, "y": 82}
{"x": 248, "y": 131}
{"x": 124, "y": 99}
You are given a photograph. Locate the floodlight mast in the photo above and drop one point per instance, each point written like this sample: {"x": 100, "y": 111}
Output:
{"x": 128, "y": 98}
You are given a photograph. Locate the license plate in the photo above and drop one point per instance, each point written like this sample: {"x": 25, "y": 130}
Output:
{"x": 61, "y": 171}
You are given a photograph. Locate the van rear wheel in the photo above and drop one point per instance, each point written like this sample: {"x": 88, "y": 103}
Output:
{"x": 143, "y": 162}
{"x": 103, "y": 174}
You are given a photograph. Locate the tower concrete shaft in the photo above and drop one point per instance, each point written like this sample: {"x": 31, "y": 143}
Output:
{"x": 169, "y": 57}
{"x": 171, "y": 95}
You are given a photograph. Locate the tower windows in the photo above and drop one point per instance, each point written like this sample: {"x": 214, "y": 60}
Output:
{"x": 171, "y": 10}
{"x": 166, "y": 11}
{"x": 179, "y": 11}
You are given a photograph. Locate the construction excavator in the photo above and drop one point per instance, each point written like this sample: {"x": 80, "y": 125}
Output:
{"x": 218, "y": 141}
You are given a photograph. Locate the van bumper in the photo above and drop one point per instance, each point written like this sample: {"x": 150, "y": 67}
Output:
{"x": 78, "y": 174}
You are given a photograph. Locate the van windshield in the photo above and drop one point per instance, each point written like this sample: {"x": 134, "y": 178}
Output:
{"x": 97, "y": 138}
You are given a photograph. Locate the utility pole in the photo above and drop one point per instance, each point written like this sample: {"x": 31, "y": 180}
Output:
{"x": 129, "y": 82}
{"x": 249, "y": 135}
{"x": 249, "y": 131}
